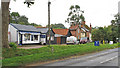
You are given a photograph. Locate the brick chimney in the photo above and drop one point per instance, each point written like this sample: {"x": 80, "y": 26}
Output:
{"x": 83, "y": 23}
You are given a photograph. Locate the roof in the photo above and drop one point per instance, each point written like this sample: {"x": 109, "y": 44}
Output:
{"x": 43, "y": 30}
{"x": 25, "y": 27}
{"x": 61, "y": 31}
{"x": 73, "y": 33}
{"x": 87, "y": 27}
{"x": 73, "y": 27}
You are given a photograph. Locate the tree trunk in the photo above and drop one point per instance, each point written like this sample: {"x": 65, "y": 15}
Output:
{"x": 5, "y": 23}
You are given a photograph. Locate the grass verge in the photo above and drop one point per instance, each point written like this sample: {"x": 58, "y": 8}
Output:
{"x": 20, "y": 57}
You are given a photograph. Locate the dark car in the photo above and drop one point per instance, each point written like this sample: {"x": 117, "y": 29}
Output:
{"x": 83, "y": 40}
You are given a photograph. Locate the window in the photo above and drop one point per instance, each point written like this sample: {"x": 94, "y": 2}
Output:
{"x": 35, "y": 37}
{"x": 82, "y": 33}
{"x": 42, "y": 36}
{"x": 52, "y": 38}
{"x": 47, "y": 38}
{"x": 26, "y": 37}
{"x": 31, "y": 37}
{"x": 78, "y": 30}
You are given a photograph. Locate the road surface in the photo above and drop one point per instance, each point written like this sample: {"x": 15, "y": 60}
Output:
{"x": 102, "y": 58}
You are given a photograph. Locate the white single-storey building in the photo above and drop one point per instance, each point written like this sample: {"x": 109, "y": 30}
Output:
{"x": 23, "y": 34}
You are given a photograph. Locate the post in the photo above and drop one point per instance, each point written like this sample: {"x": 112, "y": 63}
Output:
{"x": 49, "y": 21}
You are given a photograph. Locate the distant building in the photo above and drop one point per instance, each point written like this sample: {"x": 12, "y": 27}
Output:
{"x": 81, "y": 30}
{"x": 61, "y": 35}
{"x": 44, "y": 37}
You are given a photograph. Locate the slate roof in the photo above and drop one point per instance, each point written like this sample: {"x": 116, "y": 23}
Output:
{"x": 25, "y": 27}
{"x": 61, "y": 31}
{"x": 43, "y": 30}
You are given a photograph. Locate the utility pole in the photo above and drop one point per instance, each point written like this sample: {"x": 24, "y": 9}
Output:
{"x": 49, "y": 21}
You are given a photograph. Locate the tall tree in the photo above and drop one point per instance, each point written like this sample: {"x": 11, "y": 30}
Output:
{"x": 14, "y": 16}
{"x": 75, "y": 15}
{"x": 6, "y": 20}
{"x": 57, "y": 26}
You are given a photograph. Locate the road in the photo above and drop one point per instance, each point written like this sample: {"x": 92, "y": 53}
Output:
{"x": 102, "y": 58}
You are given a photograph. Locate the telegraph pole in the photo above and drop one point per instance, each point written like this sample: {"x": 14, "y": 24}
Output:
{"x": 49, "y": 21}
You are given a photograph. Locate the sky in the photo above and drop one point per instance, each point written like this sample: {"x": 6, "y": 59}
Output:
{"x": 97, "y": 12}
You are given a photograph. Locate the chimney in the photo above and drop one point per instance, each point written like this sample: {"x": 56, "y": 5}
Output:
{"x": 84, "y": 22}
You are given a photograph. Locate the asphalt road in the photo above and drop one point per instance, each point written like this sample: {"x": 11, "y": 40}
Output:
{"x": 102, "y": 58}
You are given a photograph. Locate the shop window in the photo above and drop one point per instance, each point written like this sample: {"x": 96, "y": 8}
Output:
{"x": 42, "y": 36}
{"x": 35, "y": 37}
{"x": 27, "y": 37}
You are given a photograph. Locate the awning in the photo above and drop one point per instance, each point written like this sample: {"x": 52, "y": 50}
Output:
{"x": 32, "y": 33}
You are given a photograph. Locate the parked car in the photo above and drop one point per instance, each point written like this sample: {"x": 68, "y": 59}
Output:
{"x": 83, "y": 40}
{"x": 72, "y": 40}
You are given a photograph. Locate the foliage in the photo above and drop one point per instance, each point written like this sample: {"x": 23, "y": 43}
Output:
{"x": 108, "y": 33}
{"x": 44, "y": 54}
{"x": 75, "y": 15}
{"x": 16, "y": 18}
{"x": 105, "y": 33}
{"x": 57, "y": 26}
{"x": 13, "y": 45}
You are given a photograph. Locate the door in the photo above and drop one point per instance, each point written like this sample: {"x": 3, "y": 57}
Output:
{"x": 20, "y": 39}
{"x": 58, "y": 40}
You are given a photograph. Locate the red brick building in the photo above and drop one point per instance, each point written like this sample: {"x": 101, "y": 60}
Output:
{"x": 81, "y": 30}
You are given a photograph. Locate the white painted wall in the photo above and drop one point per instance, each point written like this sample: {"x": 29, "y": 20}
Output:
{"x": 29, "y": 41}
{"x": 90, "y": 37}
{"x": 82, "y": 35}
{"x": 43, "y": 40}
{"x": 13, "y": 33}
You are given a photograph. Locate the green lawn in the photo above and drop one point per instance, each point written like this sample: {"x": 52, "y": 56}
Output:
{"x": 21, "y": 57}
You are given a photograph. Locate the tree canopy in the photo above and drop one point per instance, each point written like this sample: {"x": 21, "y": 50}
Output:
{"x": 16, "y": 18}
{"x": 75, "y": 15}
{"x": 57, "y": 26}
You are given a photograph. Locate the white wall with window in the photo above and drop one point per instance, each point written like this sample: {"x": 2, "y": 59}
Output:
{"x": 82, "y": 34}
{"x": 28, "y": 38}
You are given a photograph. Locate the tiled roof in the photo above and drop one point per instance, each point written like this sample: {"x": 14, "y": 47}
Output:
{"x": 74, "y": 27}
{"x": 61, "y": 31}
{"x": 73, "y": 33}
{"x": 87, "y": 27}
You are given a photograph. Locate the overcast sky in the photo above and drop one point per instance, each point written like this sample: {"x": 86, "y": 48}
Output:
{"x": 97, "y": 12}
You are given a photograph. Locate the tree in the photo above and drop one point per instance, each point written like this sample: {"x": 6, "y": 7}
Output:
{"x": 57, "y": 26}
{"x": 14, "y": 16}
{"x": 75, "y": 15}
{"x": 6, "y": 20}
{"x": 24, "y": 20}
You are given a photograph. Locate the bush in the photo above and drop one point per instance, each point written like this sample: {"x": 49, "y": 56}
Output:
{"x": 13, "y": 45}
